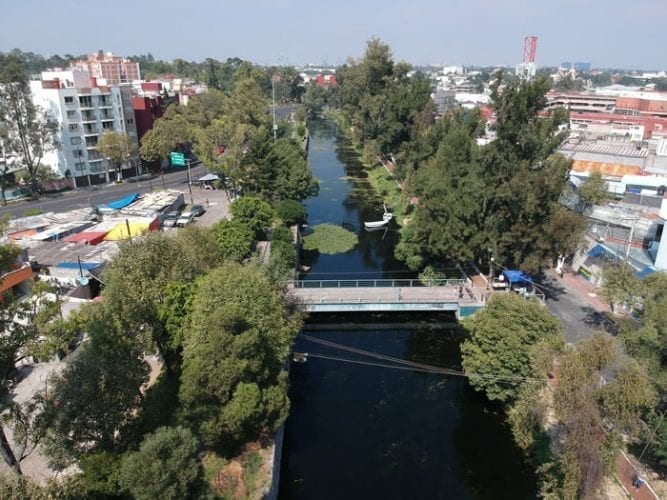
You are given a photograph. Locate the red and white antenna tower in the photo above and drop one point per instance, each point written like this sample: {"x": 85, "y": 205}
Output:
{"x": 526, "y": 70}
{"x": 529, "y": 48}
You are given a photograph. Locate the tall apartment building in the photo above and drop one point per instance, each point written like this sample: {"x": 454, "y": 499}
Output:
{"x": 109, "y": 69}
{"x": 84, "y": 111}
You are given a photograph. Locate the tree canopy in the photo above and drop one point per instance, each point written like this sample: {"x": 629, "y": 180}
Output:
{"x": 233, "y": 384}
{"x": 164, "y": 466}
{"x": 502, "y": 339}
{"x": 502, "y": 196}
{"x": 118, "y": 147}
{"x": 27, "y": 132}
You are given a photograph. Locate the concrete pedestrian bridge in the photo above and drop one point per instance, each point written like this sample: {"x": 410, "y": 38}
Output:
{"x": 388, "y": 295}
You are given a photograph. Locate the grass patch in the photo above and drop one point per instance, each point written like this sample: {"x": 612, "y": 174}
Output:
{"x": 213, "y": 463}
{"x": 252, "y": 463}
{"x": 32, "y": 211}
{"x": 330, "y": 239}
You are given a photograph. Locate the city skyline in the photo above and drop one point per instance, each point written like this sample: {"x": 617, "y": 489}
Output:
{"x": 473, "y": 32}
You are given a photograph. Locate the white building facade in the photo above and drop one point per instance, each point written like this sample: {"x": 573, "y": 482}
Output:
{"x": 83, "y": 113}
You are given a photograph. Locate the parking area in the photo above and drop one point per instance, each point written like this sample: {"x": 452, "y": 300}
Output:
{"x": 215, "y": 202}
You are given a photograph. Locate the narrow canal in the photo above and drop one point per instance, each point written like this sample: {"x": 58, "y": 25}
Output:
{"x": 359, "y": 430}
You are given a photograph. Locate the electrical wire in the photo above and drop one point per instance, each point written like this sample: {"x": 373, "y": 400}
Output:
{"x": 419, "y": 366}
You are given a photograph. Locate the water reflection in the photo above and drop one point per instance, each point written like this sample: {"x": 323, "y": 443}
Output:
{"x": 360, "y": 431}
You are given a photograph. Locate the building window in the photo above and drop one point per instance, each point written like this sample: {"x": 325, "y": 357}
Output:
{"x": 91, "y": 141}
{"x": 78, "y": 153}
{"x": 130, "y": 121}
{"x": 75, "y": 141}
{"x": 73, "y": 127}
{"x": 107, "y": 125}
{"x": 80, "y": 166}
{"x": 71, "y": 114}
{"x": 69, "y": 99}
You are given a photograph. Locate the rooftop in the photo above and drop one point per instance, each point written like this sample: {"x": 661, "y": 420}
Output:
{"x": 605, "y": 149}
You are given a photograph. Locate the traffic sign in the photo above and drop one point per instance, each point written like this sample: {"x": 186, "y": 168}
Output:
{"x": 177, "y": 159}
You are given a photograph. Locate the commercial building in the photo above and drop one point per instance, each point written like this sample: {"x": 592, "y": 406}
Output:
{"x": 83, "y": 111}
{"x": 614, "y": 112}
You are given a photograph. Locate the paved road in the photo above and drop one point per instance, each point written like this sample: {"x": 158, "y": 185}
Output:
{"x": 105, "y": 193}
{"x": 571, "y": 301}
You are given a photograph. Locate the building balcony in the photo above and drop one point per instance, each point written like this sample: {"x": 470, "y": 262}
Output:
{"x": 96, "y": 168}
{"x": 90, "y": 132}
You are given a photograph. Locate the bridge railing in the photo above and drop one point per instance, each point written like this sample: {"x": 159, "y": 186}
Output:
{"x": 377, "y": 283}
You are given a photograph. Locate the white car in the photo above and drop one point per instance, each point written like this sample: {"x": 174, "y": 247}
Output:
{"x": 185, "y": 219}
{"x": 171, "y": 219}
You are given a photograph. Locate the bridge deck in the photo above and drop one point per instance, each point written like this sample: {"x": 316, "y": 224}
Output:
{"x": 387, "y": 298}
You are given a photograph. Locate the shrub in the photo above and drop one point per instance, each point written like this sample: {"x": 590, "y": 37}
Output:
{"x": 291, "y": 212}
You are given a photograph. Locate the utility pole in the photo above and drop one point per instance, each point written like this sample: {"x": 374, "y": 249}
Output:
{"x": 192, "y": 201}
{"x": 273, "y": 106}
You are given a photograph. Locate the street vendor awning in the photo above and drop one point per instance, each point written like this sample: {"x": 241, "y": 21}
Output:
{"x": 516, "y": 276}
{"x": 120, "y": 231}
{"x": 122, "y": 203}
{"x": 208, "y": 177}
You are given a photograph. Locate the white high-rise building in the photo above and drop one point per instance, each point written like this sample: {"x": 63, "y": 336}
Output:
{"x": 83, "y": 112}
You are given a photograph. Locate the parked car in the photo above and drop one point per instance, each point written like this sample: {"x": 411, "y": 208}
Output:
{"x": 171, "y": 219}
{"x": 197, "y": 210}
{"x": 185, "y": 219}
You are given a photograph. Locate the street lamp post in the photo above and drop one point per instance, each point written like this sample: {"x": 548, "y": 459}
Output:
{"x": 490, "y": 264}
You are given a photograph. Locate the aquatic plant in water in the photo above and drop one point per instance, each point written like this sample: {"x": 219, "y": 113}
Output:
{"x": 330, "y": 239}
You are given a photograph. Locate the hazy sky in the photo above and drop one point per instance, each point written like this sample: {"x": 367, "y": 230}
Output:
{"x": 607, "y": 33}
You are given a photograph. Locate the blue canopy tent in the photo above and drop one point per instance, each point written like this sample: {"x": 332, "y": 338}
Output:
{"x": 516, "y": 277}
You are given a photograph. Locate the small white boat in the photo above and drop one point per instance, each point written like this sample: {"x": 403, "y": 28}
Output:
{"x": 376, "y": 224}
{"x": 380, "y": 223}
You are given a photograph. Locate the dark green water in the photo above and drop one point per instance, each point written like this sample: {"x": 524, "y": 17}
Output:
{"x": 364, "y": 431}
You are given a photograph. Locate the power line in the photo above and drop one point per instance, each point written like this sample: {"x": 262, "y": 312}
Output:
{"x": 418, "y": 366}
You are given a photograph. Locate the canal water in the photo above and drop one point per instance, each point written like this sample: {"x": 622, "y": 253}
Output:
{"x": 360, "y": 430}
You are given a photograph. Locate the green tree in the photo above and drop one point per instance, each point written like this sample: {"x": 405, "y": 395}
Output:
{"x": 594, "y": 189}
{"x": 233, "y": 384}
{"x": 567, "y": 230}
{"x": 118, "y": 147}
{"x": 290, "y": 176}
{"x": 254, "y": 213}
{"x": 28, "y": 326}
{"x": 449, "y": 188}
{"x": 28, "y": 131}
{"x": 523, "y": 177}
{"x": 95, "y": 399}
{"x": 593, "y": 412}
{"x": 619, "y": 283}
{"x": 137, "y": 279}
{"x": 379, "y": 99}
{"x": 291, "y": 212}
{"x": 497, "y": 354}
{"x": 234, "y": 239}
{"x": 165, "y": 466}
{"x": 168, "y": 134}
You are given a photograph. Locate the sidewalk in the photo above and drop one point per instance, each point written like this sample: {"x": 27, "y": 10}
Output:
{"x": 584, "y": 290}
